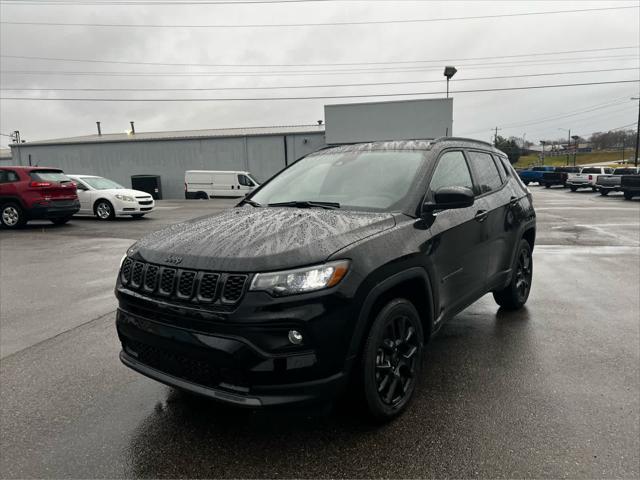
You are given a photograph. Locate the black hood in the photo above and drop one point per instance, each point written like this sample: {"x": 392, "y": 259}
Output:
{"x": 259, "y": 239}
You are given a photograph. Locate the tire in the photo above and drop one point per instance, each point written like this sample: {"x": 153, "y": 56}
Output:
{"x": 573, "y": 189}
{"x": 627, "y": 196}
{"x": 515, "y": 295}
{"x": 202, "y": 196}
{"x": 391, "y": 360}
{"x": 604, "y": 192}
{"x": 60, "y": 221}
{"x": 104, "y": 210}
{"x": 546, "y": 185}
{"x": 526, "y": 182}
{"x": 594, "y": 189}
{"x": 138, "y": 215}
{"x": 12, "y": 216}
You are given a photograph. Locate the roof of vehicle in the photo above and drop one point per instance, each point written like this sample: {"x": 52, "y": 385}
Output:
{"x": 218, "y": 171}
{"x": 82, "y": 176}
{"x": 27, "y": 168}
{"x": 418, "y": 144}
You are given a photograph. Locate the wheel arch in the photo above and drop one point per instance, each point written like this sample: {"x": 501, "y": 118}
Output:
{"x": 412, "y": 284}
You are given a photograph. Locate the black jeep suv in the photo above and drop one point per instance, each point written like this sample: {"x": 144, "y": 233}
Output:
{"x": 334, "y": 273}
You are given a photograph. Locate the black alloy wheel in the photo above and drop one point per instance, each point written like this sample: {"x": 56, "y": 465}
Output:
{"x": 392, "y": 359}
{"x": 515, "y": 295}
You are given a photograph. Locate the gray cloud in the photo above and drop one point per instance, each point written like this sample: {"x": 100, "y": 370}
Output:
{"x": 474, "y": 114}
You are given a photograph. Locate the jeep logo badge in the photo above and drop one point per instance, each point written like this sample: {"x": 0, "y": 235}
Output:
{"x": 173, "y": 260}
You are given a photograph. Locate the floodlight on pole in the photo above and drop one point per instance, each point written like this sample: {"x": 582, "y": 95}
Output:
{"x": 449, "y": 72}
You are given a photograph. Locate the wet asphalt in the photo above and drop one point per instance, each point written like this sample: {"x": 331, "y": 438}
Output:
{"x": 549, "y": 391}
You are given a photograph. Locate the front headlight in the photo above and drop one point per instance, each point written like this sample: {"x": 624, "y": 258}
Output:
{"x": 125, "y": 198}
{"x": 301, "y": 280}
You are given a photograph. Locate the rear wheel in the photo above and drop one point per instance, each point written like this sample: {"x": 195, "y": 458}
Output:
{"x": 12, "y": 216}
{"x": 392, "y": 359}
{"x": 515, "y": 295}
{"x": 546, "y": 185}
{"x": 203, "y": 196}
{"x": 604, "y": 192}
{"x": 573, "y": 189}
{"x": 627, "y": 196}
{"x": 104, "y": 210}
{"x": 60, "y": 221}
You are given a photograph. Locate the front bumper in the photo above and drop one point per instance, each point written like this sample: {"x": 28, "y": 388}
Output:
{"x": 241, "y": 357}
{"x": 54, "y": 209}
{"x": 134, "y": 208}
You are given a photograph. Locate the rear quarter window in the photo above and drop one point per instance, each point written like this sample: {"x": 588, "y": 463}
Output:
{"x": 486, "y": 176}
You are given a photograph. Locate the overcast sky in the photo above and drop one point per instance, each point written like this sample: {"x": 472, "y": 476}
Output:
{"x": 584, "y": 109}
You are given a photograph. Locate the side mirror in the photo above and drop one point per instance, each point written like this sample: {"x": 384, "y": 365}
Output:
{"x": 449, "y": 198}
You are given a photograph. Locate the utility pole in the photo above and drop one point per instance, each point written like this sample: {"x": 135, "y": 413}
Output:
{"x": 635, "y": 160}
{"x": 495, "y": 137}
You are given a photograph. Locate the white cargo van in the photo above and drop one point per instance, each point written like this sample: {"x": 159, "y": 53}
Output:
{"x": 213, "y": 183}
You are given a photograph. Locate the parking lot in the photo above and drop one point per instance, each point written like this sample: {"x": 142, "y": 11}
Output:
{"x": 550, "y": 391}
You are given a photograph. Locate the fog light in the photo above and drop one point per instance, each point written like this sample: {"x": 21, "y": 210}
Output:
{"x": 295, "y": 337}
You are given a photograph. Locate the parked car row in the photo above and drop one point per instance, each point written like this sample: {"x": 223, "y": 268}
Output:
{"x": 602, "y": 179}
{"x": 35, "y": 193}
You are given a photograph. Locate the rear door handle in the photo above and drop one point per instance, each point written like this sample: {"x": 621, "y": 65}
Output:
{"x": 481, "y": 215}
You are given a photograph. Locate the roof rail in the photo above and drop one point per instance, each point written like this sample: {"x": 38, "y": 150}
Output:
{"x": 441, "y": 139}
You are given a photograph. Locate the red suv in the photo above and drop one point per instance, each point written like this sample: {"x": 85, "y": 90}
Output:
{"x": 29, "y": 193}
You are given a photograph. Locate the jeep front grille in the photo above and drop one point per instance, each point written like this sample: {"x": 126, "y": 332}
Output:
{"x": 183, "y": 285}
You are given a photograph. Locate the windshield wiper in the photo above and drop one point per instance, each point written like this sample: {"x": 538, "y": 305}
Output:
{"x": 307, "y": 204}
{"x": 250, "y": 202}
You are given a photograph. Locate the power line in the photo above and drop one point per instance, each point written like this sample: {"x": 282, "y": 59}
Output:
{"x": 280, "y": 87}
{"x": 266, "y": 73}
{"x": 323, "y": 24}
{"x": 316, "y": 97}
{"x": 443, "y": 60}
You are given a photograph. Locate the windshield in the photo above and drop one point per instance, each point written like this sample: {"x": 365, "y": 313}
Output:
{"x": 357, "y": 180}
{"x": 100, "y": 183}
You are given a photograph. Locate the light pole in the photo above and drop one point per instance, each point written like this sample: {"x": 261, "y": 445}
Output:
{"x": 635, "y": 162}
{"x": 568, "y": 141}
{"x": 449, "y": 72}
{"x": 575, "y": 148}
{"x": 542, "y": 142}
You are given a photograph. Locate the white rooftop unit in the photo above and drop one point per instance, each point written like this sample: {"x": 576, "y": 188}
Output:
{"x": 377, "y": 121}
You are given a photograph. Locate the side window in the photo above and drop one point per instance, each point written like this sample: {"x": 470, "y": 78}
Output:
{"x": 452, "y": 171}
{"x": 7, "y": 176}
{"x": 244, "y": 181}
{"x": 502, "y": 166}
{"x": 500, "y": 169}
{"x": 486, "y": 172}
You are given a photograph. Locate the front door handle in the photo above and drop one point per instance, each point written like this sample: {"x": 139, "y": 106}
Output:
{"x": 481, "y": 215}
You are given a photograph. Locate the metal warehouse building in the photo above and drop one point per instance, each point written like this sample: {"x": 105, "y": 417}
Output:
{"x": 262, "y": 151}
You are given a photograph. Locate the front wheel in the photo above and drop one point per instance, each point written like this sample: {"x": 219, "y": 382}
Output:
{"x": 392, "y": 359}
{"x": 604, "y": 192}
{"x": 594, "y": 189}
{"x": 515, "y": 295}
{"x": 573, "y": 189}
{"x": 104, "y": 210}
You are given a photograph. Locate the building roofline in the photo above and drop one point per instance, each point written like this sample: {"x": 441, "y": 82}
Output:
{"x": 166, "y": 136}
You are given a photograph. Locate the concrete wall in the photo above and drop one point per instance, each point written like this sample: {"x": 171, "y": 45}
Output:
{"x": 263, "y": 156}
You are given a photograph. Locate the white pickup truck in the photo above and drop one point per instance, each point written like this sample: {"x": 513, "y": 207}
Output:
{"x": 587, "y": 178}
